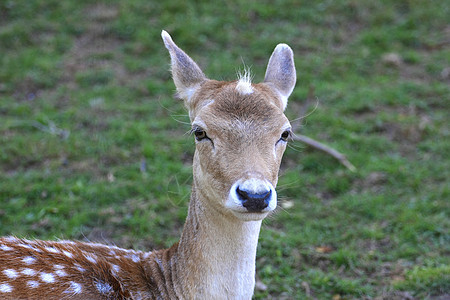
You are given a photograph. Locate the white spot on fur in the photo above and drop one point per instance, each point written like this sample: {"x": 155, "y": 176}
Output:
{"x": 5, "y": 248}
{"x": 67, "y": 253}
{"x": 103, "y": 287}
{"x": 47, "y": 277}
{"x": 244, "y": 84}
{"x": 58, "y": 267}
{"x": 5, "y": 288}
{"x": 10, "y": 273}
{"x": 91, "y": 258}
{"x": 75, "y": 288}
{"x": 26, "y": 246}
{"x": 79, "y": 268}
{"x": 135, "y": 258}
{"x": 29, "y": 260}
{"x": 66, "y": 242}
{"x": 60, "y": 273}
{"x": 28, "y": 272}
{"x": 115, "y": 269}
{"x": 33, "y": 284}
{"x": 52, "y": 249}
{"x": 11, "y": 239}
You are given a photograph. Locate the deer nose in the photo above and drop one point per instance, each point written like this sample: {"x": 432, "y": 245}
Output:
{"x": 254, "y": 202}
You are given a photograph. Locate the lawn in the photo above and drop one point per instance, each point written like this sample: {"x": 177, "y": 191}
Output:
{"x": 93, "y": 145}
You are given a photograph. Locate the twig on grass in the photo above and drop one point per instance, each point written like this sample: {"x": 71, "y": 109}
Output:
{"x": 51, "y": 128}
{"x": 315, "y": 144}
{"x": 322, "y": 147}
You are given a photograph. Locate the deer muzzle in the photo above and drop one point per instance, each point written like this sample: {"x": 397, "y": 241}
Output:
{"x": 252, "y": 195}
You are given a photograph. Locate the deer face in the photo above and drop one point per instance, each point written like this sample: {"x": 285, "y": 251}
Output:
{"x": 240, "y": 139}
{"x": 240, "y": 131}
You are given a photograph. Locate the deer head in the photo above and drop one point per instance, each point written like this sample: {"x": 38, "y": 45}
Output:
{"x": 240, "y": 132}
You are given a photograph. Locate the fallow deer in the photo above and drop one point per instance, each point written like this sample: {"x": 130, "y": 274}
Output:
{"x": 240, "y": 135}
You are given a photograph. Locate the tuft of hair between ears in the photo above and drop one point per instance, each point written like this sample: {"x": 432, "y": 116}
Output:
{"x": 244, "y": 83}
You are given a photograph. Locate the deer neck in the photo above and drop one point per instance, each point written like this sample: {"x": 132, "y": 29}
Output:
{"x": 216, "y": 254}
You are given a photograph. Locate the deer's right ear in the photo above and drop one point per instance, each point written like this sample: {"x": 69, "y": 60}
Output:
{"x": 186, "y": 74}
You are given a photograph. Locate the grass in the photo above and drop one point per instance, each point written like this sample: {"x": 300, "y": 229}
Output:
{"x": 93, "y": 145}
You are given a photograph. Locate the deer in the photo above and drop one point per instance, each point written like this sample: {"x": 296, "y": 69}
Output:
{"x": 241, "y": 133}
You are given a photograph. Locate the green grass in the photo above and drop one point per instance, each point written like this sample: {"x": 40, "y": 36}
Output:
{"x": 94, "y": 146}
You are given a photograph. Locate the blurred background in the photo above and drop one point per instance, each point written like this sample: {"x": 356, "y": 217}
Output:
{"x": 93, "y": 146}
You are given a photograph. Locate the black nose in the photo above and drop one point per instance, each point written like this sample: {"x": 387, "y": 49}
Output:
{"x": 252, "y": 201}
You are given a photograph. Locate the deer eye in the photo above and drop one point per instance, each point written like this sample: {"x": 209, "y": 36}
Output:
{"x": 200, "y": 134}
{"x": 285, "y": 135}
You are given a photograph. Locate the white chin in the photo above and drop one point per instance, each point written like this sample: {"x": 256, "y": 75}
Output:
{"x": 250, "y": 216}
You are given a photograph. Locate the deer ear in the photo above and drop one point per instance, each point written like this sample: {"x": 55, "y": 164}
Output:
{"x": 280, "y": 73}
{"x": 186, "y": 74}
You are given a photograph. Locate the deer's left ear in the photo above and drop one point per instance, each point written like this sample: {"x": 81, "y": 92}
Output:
{"x": 280, "y": 73}
{"x": 186, "y": 74}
